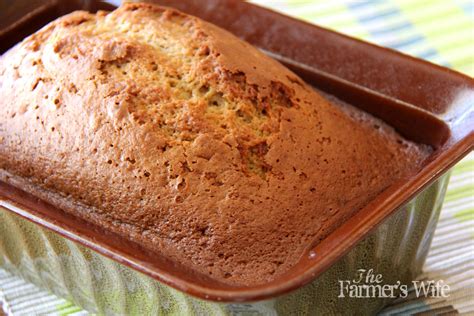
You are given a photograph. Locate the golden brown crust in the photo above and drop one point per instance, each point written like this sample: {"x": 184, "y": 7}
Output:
{"x": 179, "y": 135}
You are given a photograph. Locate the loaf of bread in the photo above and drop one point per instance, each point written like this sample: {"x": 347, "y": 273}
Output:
{"x": 177, "y": 135}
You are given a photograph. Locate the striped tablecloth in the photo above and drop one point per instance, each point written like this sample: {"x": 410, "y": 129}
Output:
{"x": 441, "y": 31}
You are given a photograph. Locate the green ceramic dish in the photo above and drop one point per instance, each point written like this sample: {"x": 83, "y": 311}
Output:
{"x": 396, "y": 250}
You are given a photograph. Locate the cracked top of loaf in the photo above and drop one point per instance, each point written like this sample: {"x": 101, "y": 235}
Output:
{"x": 176, "y": 134}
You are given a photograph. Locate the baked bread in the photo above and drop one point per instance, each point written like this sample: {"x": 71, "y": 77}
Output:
{"x": 176, "y": 134}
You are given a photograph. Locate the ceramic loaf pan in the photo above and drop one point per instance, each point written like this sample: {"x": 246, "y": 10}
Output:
{"x": 424, "y": 102}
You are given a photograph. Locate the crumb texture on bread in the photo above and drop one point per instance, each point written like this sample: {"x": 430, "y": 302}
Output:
{"x": 180, "y": 136}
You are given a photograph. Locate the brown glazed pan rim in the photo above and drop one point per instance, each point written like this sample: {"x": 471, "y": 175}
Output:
{"x": 433, "y": 105}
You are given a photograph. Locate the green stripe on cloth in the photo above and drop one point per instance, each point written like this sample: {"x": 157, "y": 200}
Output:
{"x": 465, "y": 215}
{"x": 447, "y": 28}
